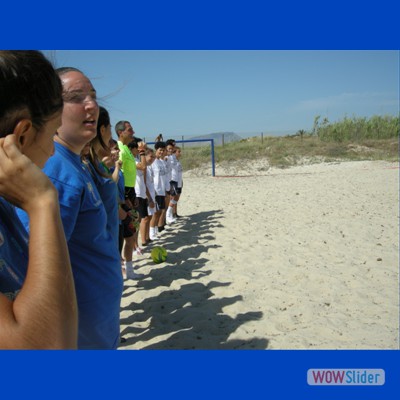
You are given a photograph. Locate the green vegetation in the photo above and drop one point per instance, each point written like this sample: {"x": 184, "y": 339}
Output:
{"x": 353, "y": 139}
{"x": 357, "y": 129}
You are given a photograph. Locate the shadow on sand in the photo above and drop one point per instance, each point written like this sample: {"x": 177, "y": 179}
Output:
{"x": 190, "y": 317}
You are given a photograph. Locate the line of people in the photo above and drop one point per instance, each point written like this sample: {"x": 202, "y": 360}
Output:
{"x": 153, "y": 184}
{"x": 64, "y": 229}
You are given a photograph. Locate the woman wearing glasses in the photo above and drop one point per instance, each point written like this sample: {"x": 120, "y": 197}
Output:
{"x": 94, "y": 257}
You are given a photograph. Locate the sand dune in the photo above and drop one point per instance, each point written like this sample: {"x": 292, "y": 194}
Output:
{"x": 301, "y": 258}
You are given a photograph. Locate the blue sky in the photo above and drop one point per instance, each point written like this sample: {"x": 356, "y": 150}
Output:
{"x": 199, "y": 92}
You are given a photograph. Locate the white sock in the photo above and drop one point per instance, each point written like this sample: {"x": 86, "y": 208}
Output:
{"x": 170, "y": 212}
{"x": 152, "y": 233}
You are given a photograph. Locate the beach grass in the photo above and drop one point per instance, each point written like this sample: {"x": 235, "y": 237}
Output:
{"x": 347, "y": 140}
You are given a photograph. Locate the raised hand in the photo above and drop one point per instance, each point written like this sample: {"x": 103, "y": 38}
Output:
{"x": 22, "y": 183}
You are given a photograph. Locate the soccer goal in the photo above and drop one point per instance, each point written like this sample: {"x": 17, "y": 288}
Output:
{"x": 200, "y": 140}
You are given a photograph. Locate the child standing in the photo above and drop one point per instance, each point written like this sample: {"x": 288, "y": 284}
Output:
{"x": 151, "y": 195}
{"x": 158, "y": 170}
{"x": 141, "y": 192}
{"x": 175, "y": 183}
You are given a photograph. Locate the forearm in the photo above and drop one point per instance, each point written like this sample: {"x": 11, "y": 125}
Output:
{"x": 122, "y": 214}
{"x": 115, "y": 175}
{"x": 149, "y": 198}
{"x": 46, "y": 309}
{"x": 142, "y": 164}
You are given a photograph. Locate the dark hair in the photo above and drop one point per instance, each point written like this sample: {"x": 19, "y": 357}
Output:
{"x": 92, "y": 157}
{"x": 159, "y": 145}
{"x": 103, "y": 120}
{"x": 136, "y": 140}
{"x": 170, "y": 142}
{"x": 133, "y": 144}
{"x": 29, "y": 88}
{"x": 70, "y": 96}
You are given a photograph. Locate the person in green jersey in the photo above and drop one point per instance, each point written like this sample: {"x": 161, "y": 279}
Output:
{"x": 125, "y": 135}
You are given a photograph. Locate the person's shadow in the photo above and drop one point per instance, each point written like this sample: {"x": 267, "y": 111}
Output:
{"x": 190, "y": 317}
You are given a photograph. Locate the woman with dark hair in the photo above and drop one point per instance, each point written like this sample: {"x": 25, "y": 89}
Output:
{"x": 94, "y": 256}
{"x": 97, "y": 149}
{"x": 37, "y": 296}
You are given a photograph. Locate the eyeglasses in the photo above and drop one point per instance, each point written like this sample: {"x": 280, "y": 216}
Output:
{"x": 79, "y": 97}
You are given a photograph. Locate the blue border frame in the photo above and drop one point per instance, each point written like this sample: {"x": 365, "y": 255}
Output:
{"x": 190, "y": 374}
{"x": 218, "y": 24}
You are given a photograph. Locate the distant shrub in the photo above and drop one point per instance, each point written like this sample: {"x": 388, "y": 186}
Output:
{"x": 376, "y": 138}
{"x": 356, "y": 129}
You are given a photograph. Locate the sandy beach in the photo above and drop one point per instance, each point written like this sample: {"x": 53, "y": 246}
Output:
{"x": 301, "y": 258}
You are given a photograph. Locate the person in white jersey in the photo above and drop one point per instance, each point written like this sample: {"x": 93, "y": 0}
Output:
{"x": 141, "y": 192}
{"x": 159, "y": 171}
{"x": 175, "y": 183}
{"x": 151, "y": 194}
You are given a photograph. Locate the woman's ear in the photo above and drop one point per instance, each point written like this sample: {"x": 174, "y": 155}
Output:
{"x": 24, "y": 131}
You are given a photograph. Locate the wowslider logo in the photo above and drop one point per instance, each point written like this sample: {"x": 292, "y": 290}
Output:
{"x": 355, "y": 377}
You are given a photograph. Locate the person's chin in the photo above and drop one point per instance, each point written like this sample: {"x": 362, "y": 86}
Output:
{"x": 90, "y": 133}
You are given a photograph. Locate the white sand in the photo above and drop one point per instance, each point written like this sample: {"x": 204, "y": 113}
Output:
{"x": 302, "y": 258}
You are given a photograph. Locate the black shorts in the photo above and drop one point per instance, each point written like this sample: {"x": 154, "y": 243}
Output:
{"x": 121, "y": 237}
{"x": 130, "y": 194}
{"x": 130, "y": 223}
{"x": 142, "y": 207}
{"x": 175, "y": 190}
{"x": 160, "y": 200}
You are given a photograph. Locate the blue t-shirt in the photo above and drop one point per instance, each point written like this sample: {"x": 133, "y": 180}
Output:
{"x": 13, "y": 251}
{"x": 108, "y": 191}
{"x": 121, "y": 186}
{"x": 95, "y": 259}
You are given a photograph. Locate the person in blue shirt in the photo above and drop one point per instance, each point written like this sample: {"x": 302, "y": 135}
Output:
{"x": 114, "y": 164}
{"x": 93, "y": 154}
{"x": 94, "y": 256}
{"x": 38, "y": 308}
